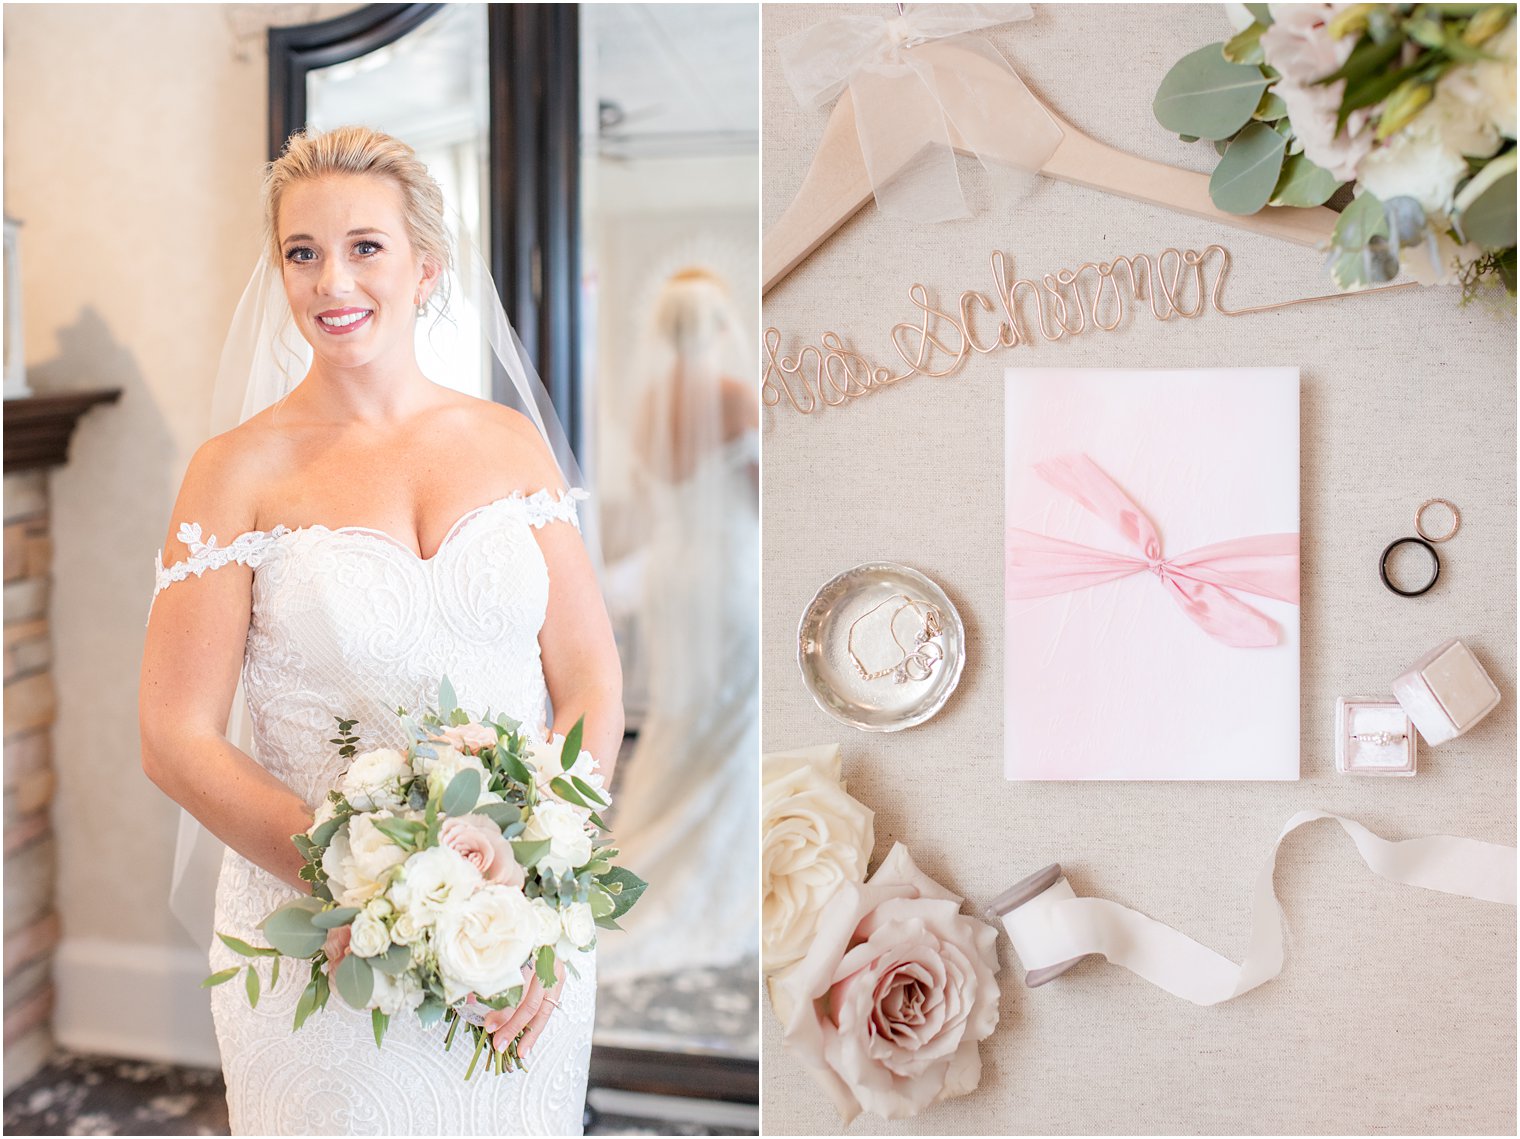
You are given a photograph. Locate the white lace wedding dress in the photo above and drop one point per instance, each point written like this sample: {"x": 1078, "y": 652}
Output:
{"x": 688, "y": 808}
{"x": 350, "y": 623}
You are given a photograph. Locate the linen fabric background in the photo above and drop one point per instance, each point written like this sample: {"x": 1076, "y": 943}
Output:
{"x": 1396, "y": 1009}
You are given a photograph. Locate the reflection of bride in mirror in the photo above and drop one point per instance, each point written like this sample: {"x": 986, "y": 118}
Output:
{"x": 687, "y": 813}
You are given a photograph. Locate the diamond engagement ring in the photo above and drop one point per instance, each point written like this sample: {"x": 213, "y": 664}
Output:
{"x": 1379, "y": 739}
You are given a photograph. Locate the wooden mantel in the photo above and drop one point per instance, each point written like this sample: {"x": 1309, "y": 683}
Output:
{"x": 38, "y": 428}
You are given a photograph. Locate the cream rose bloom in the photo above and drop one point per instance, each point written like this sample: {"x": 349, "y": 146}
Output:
{"x": 579, "y": 925}
{"x": 347, "y": 875}
{"x": 449, "y": 762}
{"x": 897, "y": 991}
{"x": 429, "y": 881}
{"x": 814, "y": 839}
{"x": 395, "y": 994}
{"x": 371, "y": 850}
{"x": 548, "y": 929}
{"x": 405, "y": 930}
{"x": 544, "y": 760}
{"x": 368, "y": 935}
{"x": 482, "y": 942}
{"x": 565, "y": 828}
{"x": 374, "y": 779}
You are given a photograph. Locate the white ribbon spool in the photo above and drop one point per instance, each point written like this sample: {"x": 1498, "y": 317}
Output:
{"x": 1052, "y": 928}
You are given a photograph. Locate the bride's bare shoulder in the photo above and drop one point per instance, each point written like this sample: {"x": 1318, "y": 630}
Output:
{"x": 220, "y": 490}
{"x": 521, "y": 445}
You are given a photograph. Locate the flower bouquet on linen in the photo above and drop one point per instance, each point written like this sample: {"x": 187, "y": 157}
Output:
{"x": 454, "y": 865}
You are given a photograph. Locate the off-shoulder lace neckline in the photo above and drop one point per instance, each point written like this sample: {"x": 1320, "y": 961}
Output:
{"x": 545, "y": 498}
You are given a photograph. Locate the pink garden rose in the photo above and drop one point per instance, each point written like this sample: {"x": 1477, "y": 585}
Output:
{"x": 468, "y": 737}
{"x": 478, "y": 841}
{"x": 894, "y": 996}
{"x": 1298, "y": 44}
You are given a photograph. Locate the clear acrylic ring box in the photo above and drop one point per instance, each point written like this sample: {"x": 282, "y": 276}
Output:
{"x": 881, "y": 647}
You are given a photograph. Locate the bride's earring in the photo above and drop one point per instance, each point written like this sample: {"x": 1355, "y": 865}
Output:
{"x": 422, "y": 305}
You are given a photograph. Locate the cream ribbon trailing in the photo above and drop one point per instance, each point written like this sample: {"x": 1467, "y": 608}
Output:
{"x": 905, "y": 74}
{"x": 1057, "y": 926}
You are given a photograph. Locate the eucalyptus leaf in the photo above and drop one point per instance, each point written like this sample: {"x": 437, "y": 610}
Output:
{"x": 291, "y": 930}
{"x": 602, "y": 904}
{"x": 543, "y": 965}
{"x": 447, "y": 701}
{"x": 1302, "y": 183}
{"x": 307, "y": 1003}
{"x": 1221, "y": 145}
{"x": 1206, "y": 95}
{"x": 430, "y": 1011}
{"x": 1364, "y": 268}
{"x": 463, "y": 791}
{"x": 394, "y": 961}
{"x": 1188, "y": 137}
{"x": 332, "y": 919}
{"x": 221, "y": 977}
{"x": 355, "y": 980}
{"x": 1248, "y": 172}
{"x": 237, "y": 945}
{"x": 1406, "y": 222}
{"x": 323, "y": 835}
{"x": 1359, "y": 223}
{"x": 1486, "y": 205}
{"x": 252, "y": 987}
{"x": 630, "y": 888}
{"x": 528, "y": 853}
{"x": 502, "y": 814}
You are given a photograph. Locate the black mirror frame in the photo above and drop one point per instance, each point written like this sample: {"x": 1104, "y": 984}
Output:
{"x": 534, "y": 172}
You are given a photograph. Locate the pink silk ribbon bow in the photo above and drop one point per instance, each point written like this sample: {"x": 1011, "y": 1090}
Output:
{"x": 1201, "y": 581}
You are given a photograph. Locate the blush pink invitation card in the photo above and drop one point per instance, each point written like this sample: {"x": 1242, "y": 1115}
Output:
{"x": 1151, "y": 574}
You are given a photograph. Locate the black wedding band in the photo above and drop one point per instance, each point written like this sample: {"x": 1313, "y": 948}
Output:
{"x": 1435, "y": 566}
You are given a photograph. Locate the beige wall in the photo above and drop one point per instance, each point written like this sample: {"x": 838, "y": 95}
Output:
{"x": 133, "y": 140}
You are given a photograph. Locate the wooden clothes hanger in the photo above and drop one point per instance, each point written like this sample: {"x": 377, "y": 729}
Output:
{"x": 837, "y": 183}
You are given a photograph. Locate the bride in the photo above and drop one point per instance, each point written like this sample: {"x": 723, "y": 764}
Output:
{"x": 342, "y": 550}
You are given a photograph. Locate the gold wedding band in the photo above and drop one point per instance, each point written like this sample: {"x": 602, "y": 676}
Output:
{"x": 1419, "y": 516}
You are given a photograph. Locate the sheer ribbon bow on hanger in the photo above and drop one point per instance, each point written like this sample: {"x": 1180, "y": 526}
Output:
{"x": 913, "y": 106}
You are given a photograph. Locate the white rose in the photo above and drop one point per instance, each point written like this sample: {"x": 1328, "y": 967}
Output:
{"x": 565, "y": 828}
{"x": 374, "y": 779}
{"x": 548, "y": 927}
{"x": 368, "y": 936}
{"x": 544, "y": 759}
{"x": 370, "y": 849}
{"x": 430, "y": 880}
{"x": 379, "y": 908}
{"x": 814, "y": 839}
{"x": 395, "y": 994}
{"x": 345, "y": 880}
{"x": 405, "y": 930}
{"x": 579, "y": 924}
{"x": 1495, "y": 80}
{"x": 482, "y": 942}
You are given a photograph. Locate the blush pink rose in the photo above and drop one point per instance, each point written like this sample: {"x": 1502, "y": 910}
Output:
{"x": 895, "y": 994}
{"x": 468, "y": 737}
{"x": 478, "y": 841}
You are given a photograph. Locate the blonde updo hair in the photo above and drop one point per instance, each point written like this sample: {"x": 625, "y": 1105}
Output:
{"x": 359, "y": 150}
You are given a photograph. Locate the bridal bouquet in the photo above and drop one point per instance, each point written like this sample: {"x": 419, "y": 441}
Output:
{"x": 453, "y": 865}
{"x": 1411, "y": 104}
